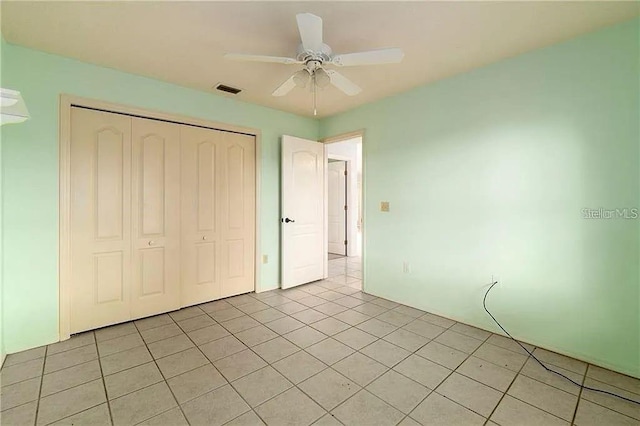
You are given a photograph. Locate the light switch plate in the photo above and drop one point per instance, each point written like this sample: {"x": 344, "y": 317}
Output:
{"x": 384, "y": 206}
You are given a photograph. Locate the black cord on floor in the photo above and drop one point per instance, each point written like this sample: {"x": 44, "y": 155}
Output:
{"x": 484, "y": 304}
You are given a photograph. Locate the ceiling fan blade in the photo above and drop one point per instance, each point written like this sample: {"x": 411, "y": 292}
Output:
{"x": 285, "y": 87}
{"x": 261, "y": 58}
{"x": 343, "y": 83}
{"x": 310, "y": 27}
{"x": 371, "y": 57}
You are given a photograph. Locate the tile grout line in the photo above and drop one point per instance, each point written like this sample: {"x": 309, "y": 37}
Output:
{"x": 104, "y": 384}
{"x": 78, "y": 385}
{"x": 328, "y": 366}
{"x": 585, "y": 378}
{"x": 294, "y": 385}
{"x": 53, "y": 372}
{"x": 548, "y": 384}
{"x": 79, "y": 412}
{"x": 386, "y": 371}
{"x": 543, "y": 383}
{"x": 222, "y": 375}
{"x": 74, "y": 386}
{"x": 162, "y": 374}
{"x": 507, "y": 389}
{"x": 541, "y": 409}
{"x": 575, "y": 411}
{"x": 514, "y": 379}
{"x": 551, "y": 386}
{"x": 44, "y": 363}
{"x": 363, "y": 388}
{"x": 600, "y": 404}
{"x": 71, "y": 366}
{"x": 454, "y": 371}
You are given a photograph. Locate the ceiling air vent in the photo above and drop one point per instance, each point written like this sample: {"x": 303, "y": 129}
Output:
{"x": 228, "y": 89}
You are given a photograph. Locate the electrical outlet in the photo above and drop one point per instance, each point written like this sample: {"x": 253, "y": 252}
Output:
{"x": 265, "y": 258}
{"x": 406, "y": 267}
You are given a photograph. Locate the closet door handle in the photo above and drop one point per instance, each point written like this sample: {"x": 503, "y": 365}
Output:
{"x": 204, "y": 237}
{"x": 152, "y": 243}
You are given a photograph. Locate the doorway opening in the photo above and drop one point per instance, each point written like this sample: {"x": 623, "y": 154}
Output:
{"x": 338, "y": 183}
{"x": 344, "y": 209}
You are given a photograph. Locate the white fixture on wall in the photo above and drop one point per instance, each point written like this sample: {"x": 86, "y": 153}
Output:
{"x": 12, "y": 107}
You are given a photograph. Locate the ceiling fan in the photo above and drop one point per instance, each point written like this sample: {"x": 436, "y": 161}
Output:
{"x": 315, "y": 56}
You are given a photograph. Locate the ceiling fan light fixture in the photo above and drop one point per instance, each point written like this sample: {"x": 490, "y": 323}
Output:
{"x": 321, "y": 77}
{"x": 301, "y": 78}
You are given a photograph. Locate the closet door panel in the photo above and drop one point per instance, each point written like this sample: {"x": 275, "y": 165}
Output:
{"x": 201, "y": 185}
{"x": 156, "y": 217}
{"x": 238, "y": 214}
{"x": 100, "y": 230}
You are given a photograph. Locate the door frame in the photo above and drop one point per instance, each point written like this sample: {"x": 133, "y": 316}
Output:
{"x": 341, "y": 138}
{"x": 67, "y": 101}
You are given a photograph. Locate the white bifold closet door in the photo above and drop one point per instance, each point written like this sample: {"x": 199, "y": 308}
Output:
{"x": 155, "y": 217}
{"x": 162, "y": 216}
{"x": 100, "y": 232}
{"x": 218, "y": 225}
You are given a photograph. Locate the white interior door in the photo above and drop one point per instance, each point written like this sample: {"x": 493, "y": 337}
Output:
{"x": 101, "y": 212}
{"x": 337, "y": 209}
{"x": 155, "y": 207}
{"x": 304, "y": 250}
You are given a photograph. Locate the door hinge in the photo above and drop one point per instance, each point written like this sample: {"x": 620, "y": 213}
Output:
{"x": 345, "y": 172}
{"x": 345, "y": 242}
{"x": 345, "y": 207}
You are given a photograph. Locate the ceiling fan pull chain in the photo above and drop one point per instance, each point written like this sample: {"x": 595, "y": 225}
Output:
{"x": 315, "y": 88}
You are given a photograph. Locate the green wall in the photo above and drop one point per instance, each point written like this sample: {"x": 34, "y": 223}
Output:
{"x": 487, "y": 173}
{"x": 30, "y": 173}
{"x": 2, "y": 350}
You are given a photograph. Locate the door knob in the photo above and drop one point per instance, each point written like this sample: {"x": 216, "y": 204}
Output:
{"x": 204, "y": 237}
{"x": 152, "y": 243}
{"x": 287, "y": 220}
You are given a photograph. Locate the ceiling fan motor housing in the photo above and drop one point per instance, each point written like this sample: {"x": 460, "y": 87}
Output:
{"x": 306, "y": 56}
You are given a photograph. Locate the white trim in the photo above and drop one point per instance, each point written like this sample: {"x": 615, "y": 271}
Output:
{"x": 352, "y": 195}
{"x": 341, "y": 138}
{"x": 325, "y": 201}
{"x": 64, "y": 206}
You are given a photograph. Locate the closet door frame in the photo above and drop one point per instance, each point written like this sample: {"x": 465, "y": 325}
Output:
{"x": 66, "y": 102}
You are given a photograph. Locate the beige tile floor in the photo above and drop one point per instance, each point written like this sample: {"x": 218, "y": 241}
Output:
{"x": 324, "y": 354}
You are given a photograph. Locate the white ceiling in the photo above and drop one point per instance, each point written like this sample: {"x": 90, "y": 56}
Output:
{"x": 184, "y": 42}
